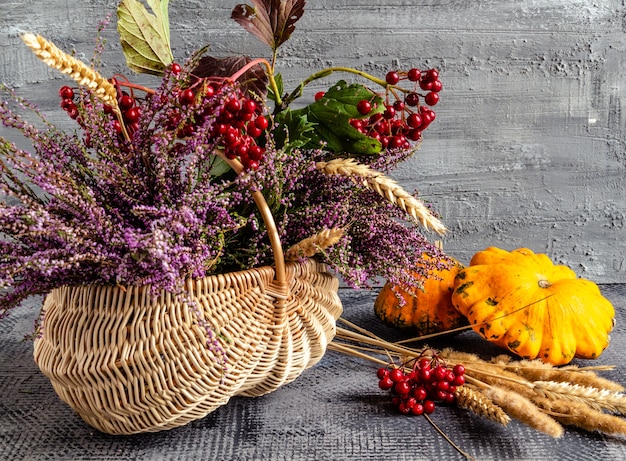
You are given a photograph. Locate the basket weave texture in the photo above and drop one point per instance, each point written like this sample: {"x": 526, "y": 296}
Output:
{"x": 129, "y": 362}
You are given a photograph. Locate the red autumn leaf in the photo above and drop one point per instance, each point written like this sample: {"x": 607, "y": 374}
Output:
{"x": 273, "y": 21}
{"x": 253, "y": 81}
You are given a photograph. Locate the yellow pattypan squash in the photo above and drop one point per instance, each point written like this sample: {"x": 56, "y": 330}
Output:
{"x": 523, "y": 302}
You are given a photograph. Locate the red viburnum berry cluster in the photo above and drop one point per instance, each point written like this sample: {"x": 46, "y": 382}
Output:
{"x": 416, "y": 389}
{"x": 127, "y": 104}
{"x": 404, "y": 119}
{"x": 239, "y": 123}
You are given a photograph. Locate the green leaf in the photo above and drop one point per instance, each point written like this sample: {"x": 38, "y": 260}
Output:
{"x": 293, "y": 130}
{"x": 331, "y": 117}
{"x": 145, "y": 37}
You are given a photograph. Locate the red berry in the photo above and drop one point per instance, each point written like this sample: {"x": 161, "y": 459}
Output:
{"x": 431, "y": 98}
{"x": 185, "y": 132}
{"x": 396, "y": 142}
{"x": 419, "y": 393}
{"x": 412, "y": 99}
{"x": 439, "y": 373}
{"x": 254, "y": 130}
{"x": 319, "y": 95}
{"x": 398, "y": 105}
{"x": 65, "y": 92}
{"x": 431, "y": 75}
{"x": 226, "y": 117}
{"x": 417, "y": 409}
{"x": 424, "y": 375}
{"x": 414, "y": 134}
{"x": 392, "y": 77}
{"x": 458, "y": 370}
{"x": 356, "y": 123}
{"x": 389, "y": 113}
{"x": 437, "y": 86}
{"x": 187, "y": 97}
{"x": 249, "y": 106}
{"x": 404, "y": 408}
{"x": 73, "y": 113}
{"x": 255, "y": 152}
{"x": 414, "y": 120}
{"x": 175, "y": 68}
{"x": 382, "y": 373}
{"x": 233, "y": 105}
{"x": 132, "y": 115}
{"x": 126, "y": 102}
{"x": 261, "y": 122}
{"x": 220, "y": 129}
{"x": 402, "y": 387}
{"x": 459, "y": 380}
{"x": 244, "y": 116}
{"x": 382, "y": 127}
{"x": 68, "y": 104}
{"x": 364, "y": 107}
{"x": 429, "y": 406}
{"x": 396, "y": 375}
{"x": 424, "y": 364}
{"x": 385, "y": 384}
{"x": 241, "y": 150}
{"x": 426, "y": 85}
{"x": 252, "y": 165}
{"x": 117, "y": 126}
{"x": 209, "y": 91}
{"x": 414, "y": 75}
{"x": 231, "y": 137}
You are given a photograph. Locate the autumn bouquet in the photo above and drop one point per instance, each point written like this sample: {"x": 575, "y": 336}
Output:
{"x": 152, "y": 187}
{"x": 183, "y": 204}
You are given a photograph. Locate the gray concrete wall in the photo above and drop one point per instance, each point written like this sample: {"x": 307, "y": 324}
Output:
{"x": 528, "y": 147}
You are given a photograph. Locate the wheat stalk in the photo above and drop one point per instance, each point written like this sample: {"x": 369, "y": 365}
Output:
{"x": 77, "y": 70}
{"x": 580, "y": 415}
{"x": 472, "y": 400}
{"x": 524, "y": 410}
{"x": 598, "y": 399}
{"x": 314, "y": 244}
{"x": 535, "y": 370}
{"x": 386, "y": 187}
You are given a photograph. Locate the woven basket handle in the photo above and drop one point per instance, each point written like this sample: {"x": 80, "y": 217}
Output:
{"x": 270, "y": 225}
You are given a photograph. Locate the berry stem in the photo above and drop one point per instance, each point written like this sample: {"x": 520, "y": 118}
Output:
{"x": 449, "y": 440}
{"x": 297, "y": 92}
{"x": 269, "y": 72}
{"x": 135, "y": 86}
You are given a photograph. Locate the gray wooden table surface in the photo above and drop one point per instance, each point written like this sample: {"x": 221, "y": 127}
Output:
{"x": 334, "y": 411}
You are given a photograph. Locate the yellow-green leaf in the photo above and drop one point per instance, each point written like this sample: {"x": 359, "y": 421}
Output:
{"x": 145, "y": 36}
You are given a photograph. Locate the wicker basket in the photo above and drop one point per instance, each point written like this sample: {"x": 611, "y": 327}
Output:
{"x": 129, "y": 362}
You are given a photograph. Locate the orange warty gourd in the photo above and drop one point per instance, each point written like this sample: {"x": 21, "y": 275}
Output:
{"x": 523, "y": 302}
{"x": 425, "y": 311}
